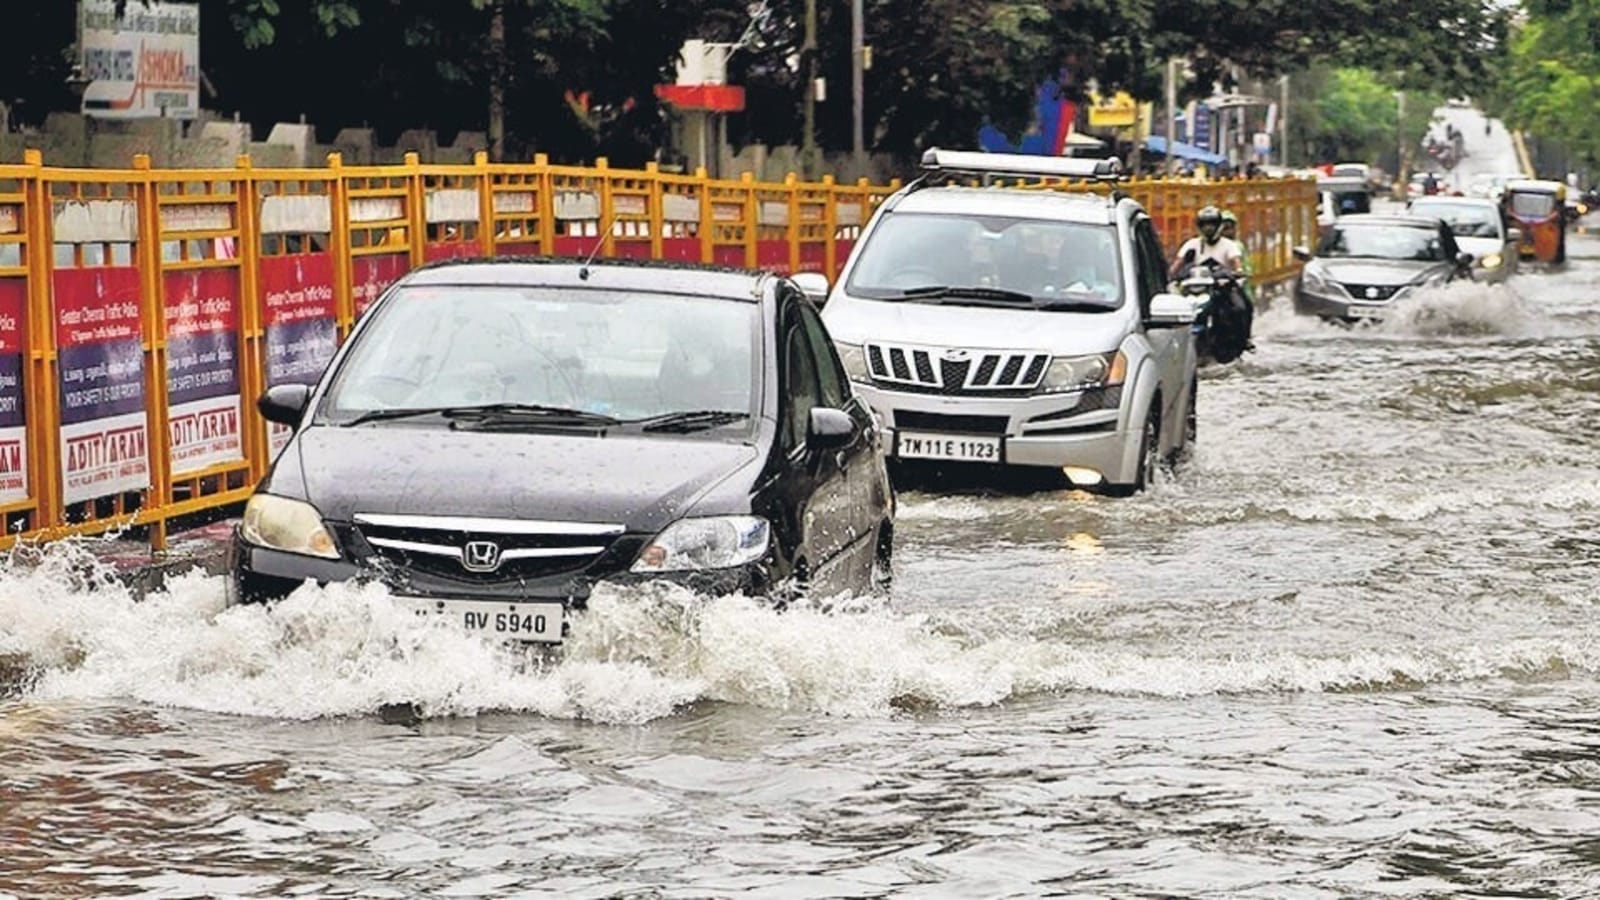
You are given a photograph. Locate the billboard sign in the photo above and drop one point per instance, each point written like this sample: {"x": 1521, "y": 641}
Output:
{"x": 144, "y": 64}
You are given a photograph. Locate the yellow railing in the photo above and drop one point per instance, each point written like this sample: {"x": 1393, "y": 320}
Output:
{"x": 143, "y": 310}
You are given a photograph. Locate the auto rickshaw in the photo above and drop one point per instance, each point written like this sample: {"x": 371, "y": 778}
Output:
{"x": 1539, "y": 210}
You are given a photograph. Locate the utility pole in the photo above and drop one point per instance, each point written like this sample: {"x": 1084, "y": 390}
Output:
{"x": 1402, "y": 176}
{"x": 808, "y": 52}
{"x": 858, "y": 52}
{"x": 497, "y": 81}
{"x": 1283, "y": 121}
{"x": 1170, "y": 164}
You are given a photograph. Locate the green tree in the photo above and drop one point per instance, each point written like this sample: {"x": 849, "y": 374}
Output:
{"x": 1552, "y": 88}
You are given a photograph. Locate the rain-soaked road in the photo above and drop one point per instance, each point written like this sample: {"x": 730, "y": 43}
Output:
{"x": 1350, "y": 651}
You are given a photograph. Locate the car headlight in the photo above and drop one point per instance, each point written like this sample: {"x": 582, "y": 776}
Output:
{"x": 713, "y": 542}
{"x": 292, "y": 526}
{"x": 1074, "y": 373}
{"x": 854, "y": 359}
{"x": 1491, "y": 261}
{"x": 1313, "y": 280}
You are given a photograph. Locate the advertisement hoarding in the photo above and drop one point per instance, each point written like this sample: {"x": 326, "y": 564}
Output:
{"x": 145, "y": 64}
{"x": 105, "y": 447}
{"x": 301, "y": 329}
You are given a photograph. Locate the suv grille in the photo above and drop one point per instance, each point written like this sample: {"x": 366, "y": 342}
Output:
{"x": 484, "y": 550}
{"x": 1372, "y": 291}
{"x": 926, "y": 421}
{"x": 929, "y": 370}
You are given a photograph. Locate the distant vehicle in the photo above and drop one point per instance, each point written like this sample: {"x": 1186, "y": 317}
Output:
{"x": 1341, "y": 196}
{"x": 1369, "y": 263}
{"x": 1538, "y": 209}
{"x": 1362, "y": 171}
{"x": 1012, "y": 327}
{"x": 497, "y": 437}
{"x": 1490, "y": 184}
{"x": 1479, "y": 229}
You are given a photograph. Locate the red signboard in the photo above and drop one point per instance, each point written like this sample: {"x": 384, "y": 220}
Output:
{"x": 203, "y": 402}
{"x": 100, "y": 344}
{"x": 370, "y": 276}
{"x": 13, "y": 434}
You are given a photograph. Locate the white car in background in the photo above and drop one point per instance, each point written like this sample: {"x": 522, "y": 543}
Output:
{"x": 1017, "y": 327}
{"x": 1479, "y": 229}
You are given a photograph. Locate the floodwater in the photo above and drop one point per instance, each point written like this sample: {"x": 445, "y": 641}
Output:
{"x": 1348, "y": 650}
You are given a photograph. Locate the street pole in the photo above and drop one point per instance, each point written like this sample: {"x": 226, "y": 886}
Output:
{"x": 497, "y": 82}
{"x": 808, "y": 52}
{"x": 858, "y": 52}
{"x": 1283, "y": 121}
{"x": 1170, "y": 164}
{"x": 1402, "y": 177}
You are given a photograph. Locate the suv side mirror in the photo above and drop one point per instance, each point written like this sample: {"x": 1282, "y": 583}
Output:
{"x": 829, "y": 429}
{"x": 285, "y": 404}
{"x": 1302, "y": 253}
{"x": 813, "y": 284}
{"x": 1170, "y": 311}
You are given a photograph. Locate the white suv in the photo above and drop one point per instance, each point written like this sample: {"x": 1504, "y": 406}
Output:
{"x": 1016, "y": 326}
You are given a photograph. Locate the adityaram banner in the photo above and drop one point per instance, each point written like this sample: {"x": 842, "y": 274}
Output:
{"x": 202, "y": 312}
{"x": 104, "y": 432}
{"x": 13, "y": 436}
{"x": 302, "y": 332}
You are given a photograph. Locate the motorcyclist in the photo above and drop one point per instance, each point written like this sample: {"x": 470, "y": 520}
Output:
{"x": 1209, "y": 244}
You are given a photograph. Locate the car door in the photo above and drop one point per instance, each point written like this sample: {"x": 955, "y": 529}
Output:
{"x": 1173, "y": 347}
{"x": 858, "y": 460}
{"x": 817, "y": 490}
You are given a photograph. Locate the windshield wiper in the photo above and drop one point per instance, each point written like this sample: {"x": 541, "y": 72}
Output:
{"x": 941, "y": 291}
{"x": 406, "y": 412}
{"x": 1062, "y": 304}
{"x": 689, "y": 420}
{"x": 490, "y": 415}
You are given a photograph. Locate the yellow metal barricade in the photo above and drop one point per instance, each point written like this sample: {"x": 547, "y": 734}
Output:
{"x": 379, "y": 227}
{"x": 23, "y": 346}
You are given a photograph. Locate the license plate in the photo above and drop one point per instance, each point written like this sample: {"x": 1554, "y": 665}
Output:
{"x": 1366, "y": 312}
{"x": 959, "y": 447}
{"x": 496, "y": 618}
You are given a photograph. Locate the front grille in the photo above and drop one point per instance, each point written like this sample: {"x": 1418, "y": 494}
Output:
{"x": 1372, "y": 291}
{"x": 522, "y": 549}
{"x": 926, "y": 421}
{"x": 953, "y": 371}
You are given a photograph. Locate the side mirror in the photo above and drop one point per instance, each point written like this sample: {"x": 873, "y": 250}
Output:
{"x": 813, "y": 284}
{"x": 285, "y": 404}
{"x": 1464, "y": 259}
{"x": 1514, "y": 235}
{"x": 829, "y": 429}
{"x": 1302, "y": 253}
{"x": 1170, "y": 311}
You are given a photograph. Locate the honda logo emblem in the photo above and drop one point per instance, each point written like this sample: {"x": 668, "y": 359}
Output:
{"x": 480, "y": 556}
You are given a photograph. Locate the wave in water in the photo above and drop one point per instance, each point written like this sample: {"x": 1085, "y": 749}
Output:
{"x": 634, "y": 656}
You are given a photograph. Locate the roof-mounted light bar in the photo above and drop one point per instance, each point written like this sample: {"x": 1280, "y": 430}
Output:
{"x": 1019, "y": 164}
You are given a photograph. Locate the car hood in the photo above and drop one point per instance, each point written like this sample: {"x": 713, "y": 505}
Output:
{"x": 1376, "y": 271}
{"x": 642, "y": 482}
{"x": 855, "y": 321}
{"x": 1480, "y": 247}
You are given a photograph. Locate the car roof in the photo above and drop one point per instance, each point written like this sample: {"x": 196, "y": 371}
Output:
{"x": 1456, "y": 201}
{"x": 649, "y": 276}
{"x": 1088, "y": 208}
{"x": 1402, "y": 221}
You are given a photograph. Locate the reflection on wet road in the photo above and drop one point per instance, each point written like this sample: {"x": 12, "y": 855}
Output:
{"x": 1349, "y": 650}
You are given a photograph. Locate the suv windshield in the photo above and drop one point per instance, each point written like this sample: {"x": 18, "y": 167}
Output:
{"x": 541, "y": 352}
{"x": 990, "y": 260}
{"x": 1464, "y": 219}
{"x": 1383, "y": 242}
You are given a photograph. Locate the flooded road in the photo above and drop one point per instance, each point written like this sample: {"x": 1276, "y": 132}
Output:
{"x": 1349, "y": 650}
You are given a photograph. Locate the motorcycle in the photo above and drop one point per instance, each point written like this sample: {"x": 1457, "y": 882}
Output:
{"x": 1223, "y": 321}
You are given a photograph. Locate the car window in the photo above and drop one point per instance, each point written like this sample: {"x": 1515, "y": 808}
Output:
{"x": 1152, "y": 267}
{"x": 832, "y": 383}
{"x": 1400, "y": 242}
{"x": 1532, "y": 205}
{"x": 1464, "y": 219}
{"x": 627, "y": 354}
{"x": 800, "y": 385}
{"x": 1042, "y": 259}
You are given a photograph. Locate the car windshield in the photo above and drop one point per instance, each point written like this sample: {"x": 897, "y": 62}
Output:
{"x": 598, "y": 353}
{"x": 990, "y": 259}
{"x": 1464, "y": 219}
{"x": 1383, "y": 242}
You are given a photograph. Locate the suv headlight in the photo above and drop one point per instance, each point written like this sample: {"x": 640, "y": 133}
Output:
{"x": 292, "y": 526}
{"x": 712, "y": 542}
{"x": 1074, "y": 373}
{"x": 854, "y": 358}
{"x": 1490, "y": 261}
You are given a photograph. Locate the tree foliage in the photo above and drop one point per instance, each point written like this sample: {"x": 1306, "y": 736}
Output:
{"x": 1352, "y": 114}
{"x": 1552, "y": 88}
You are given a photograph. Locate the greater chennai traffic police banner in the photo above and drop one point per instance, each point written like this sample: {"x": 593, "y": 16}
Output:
{"x": 202, "y": 313}
{"x": 301, "y": 328}
{"x": 104, "y": 432}
{"x": 13, "y": 442}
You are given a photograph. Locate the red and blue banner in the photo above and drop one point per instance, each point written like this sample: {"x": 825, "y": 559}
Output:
{"x": 301, "y": 326}
{"x": 13, "y": 434}
{"x": 202, "y": 313}
{"x": 370, "y": 276}
{"x": 105, "y": 446}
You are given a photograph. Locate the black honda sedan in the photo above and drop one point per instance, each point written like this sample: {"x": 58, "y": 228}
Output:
{"x": 497, "y": 437}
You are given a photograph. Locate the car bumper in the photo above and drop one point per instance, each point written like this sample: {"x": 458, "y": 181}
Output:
{"x": 1083, "y": 430}
{"x": 1307, "y": 303}
{"x": 260, "y": 575}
